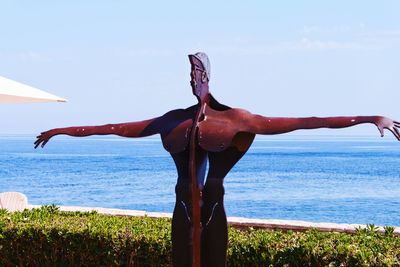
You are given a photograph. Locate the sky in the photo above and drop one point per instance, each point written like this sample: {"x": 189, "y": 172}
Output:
{"x": 120, "y": 61}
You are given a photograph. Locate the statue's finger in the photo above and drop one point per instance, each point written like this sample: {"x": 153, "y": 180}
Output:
{"x": 381, "y": 131}
{"x": 45, "y": 142}
{"x": 397, "y": 133}
{"x": 394, "y": 133}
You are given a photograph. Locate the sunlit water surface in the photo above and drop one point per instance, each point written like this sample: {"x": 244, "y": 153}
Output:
{"x": 318, "y": 178}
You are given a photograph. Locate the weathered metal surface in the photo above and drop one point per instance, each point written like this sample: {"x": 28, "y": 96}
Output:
{"x": 208, "y": 132}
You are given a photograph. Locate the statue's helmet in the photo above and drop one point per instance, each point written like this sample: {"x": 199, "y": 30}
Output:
{"x": 205, "y": 61}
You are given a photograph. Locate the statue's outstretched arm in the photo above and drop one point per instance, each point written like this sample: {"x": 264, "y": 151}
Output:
{"x": 275, "y": 125}
{"x": 130, "y": 129}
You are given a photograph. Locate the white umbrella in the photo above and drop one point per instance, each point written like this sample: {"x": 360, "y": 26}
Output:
{"x": 15, "y": 92}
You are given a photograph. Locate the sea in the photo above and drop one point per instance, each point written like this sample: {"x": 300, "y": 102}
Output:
{"x": 312, "y": 178}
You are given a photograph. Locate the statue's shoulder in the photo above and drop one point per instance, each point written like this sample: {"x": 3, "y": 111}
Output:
{"x": 240, "y": 112}
{"x": 177, "y": 127}
{"x": 180, "y": 113}
{"x": 233, "y": 114}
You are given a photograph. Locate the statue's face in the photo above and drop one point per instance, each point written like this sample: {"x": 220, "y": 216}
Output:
{"x": 197, "y": 74}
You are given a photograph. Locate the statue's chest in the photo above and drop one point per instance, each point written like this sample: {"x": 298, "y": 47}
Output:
{"x": 216, "y": 132}
{"x": 176, "y": 136}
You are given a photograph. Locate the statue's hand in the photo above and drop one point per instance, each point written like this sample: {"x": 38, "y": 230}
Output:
{"x": 386, "y": 123}
{"x": 43, "y": 138}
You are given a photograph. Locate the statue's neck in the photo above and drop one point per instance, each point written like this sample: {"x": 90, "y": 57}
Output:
{"x": 204, "y": 94}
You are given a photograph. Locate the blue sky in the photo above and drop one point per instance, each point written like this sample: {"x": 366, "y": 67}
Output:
{"x": 118, "y": 61}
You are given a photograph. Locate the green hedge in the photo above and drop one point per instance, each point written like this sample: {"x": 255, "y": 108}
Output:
{"x": 48, "y": 237}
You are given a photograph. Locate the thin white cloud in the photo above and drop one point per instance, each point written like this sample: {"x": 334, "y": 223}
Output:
{"x": 315, "y": 38}
{"x": 302, "y": 45}
{"x": 31, "y": 56}
{"x": 306, "y": 44}
{"x": 143, "y": 52}
{"x": 358, "y": 33}
{"x": 392, "y": 33}
{"x": 330, "y": 30}
{"x": 26, "y": 56}
{"x": 383, "y": 34}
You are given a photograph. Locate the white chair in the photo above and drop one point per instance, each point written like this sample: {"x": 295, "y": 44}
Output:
{"x": 13, "y": 201}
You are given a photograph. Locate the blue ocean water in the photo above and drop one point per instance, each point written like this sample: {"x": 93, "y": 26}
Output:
{"x": 317, "y": 178}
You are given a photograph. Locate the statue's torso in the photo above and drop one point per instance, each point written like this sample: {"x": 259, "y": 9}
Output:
{"x": 217, "y": 130}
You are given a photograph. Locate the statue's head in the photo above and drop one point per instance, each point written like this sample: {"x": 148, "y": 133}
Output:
{"x": 200, "y": 73}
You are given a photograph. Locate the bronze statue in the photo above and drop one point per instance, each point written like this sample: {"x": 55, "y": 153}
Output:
{"x": 208, "y": 132}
